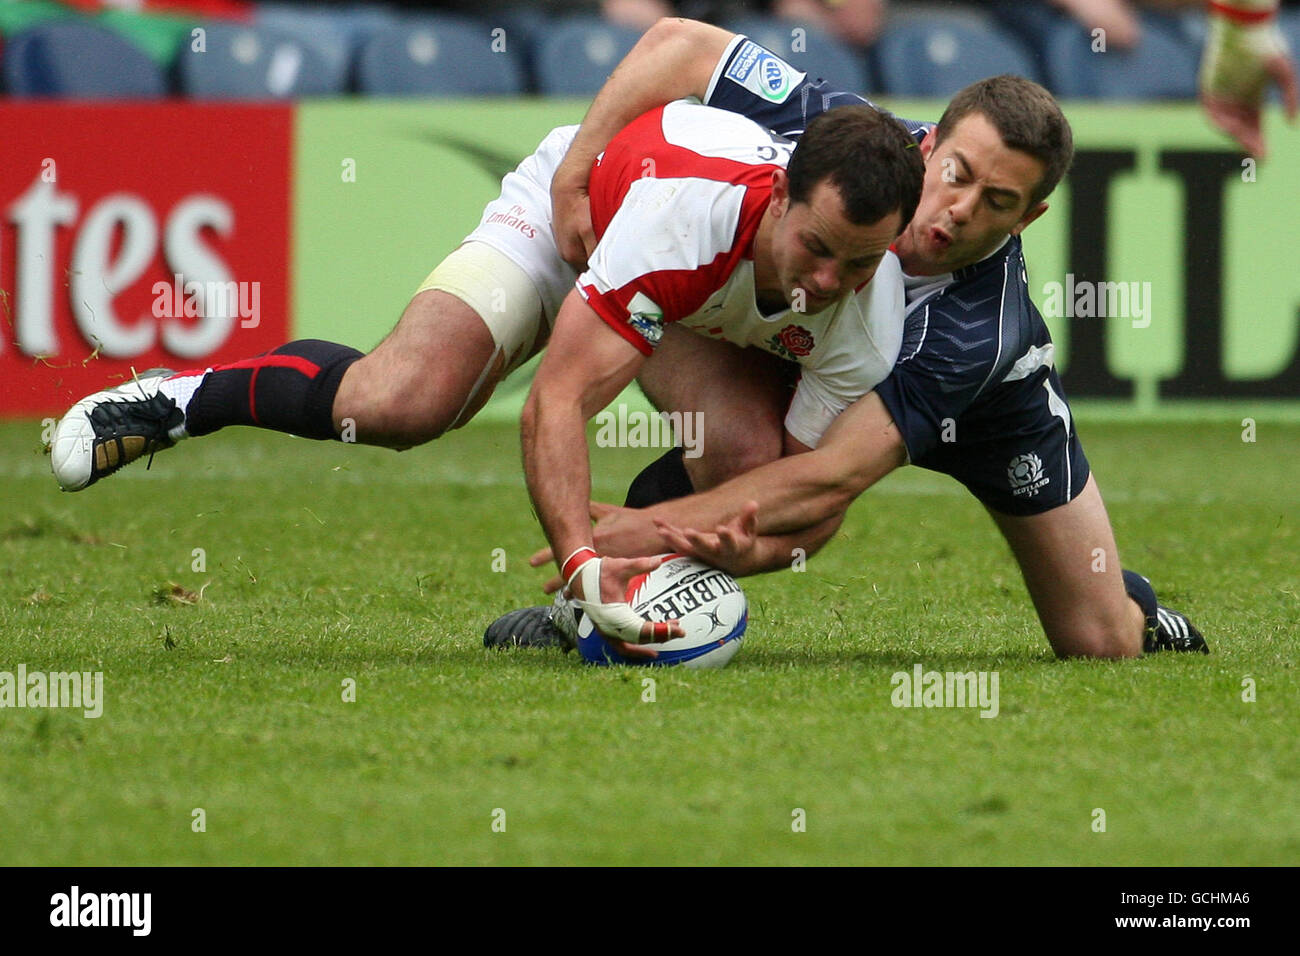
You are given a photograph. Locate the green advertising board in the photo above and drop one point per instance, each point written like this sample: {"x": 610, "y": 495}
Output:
{"x": 1160, "y": 221}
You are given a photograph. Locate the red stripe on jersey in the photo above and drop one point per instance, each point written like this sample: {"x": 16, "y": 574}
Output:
{"x": 642, "y": 151}
{"x": 1237, "y": 15}
{"x": 616, "y": 320}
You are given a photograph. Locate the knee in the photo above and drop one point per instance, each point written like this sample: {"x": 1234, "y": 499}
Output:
{"x": 1097, "y": 639}
{"x": 385, "y": 411}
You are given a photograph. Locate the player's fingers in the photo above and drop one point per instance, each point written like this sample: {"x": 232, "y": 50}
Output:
{"x": 673, "y": 535}
{"x": 656, "y": 632}
{"x": 628, "y": 649}
{"x": 703, "y": 541}
{"x": 541, "y": 557}
{"x": 553, "y": 585}
{"x": 643, "y": 564}
{"x": 728, "y": 538}
{"x": 1282, "y": 70}
{"x": 1239, "y": 121}
{"x": 599, "y": 509}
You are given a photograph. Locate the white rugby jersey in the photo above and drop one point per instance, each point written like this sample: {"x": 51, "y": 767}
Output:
{"x": 676, "y": 200}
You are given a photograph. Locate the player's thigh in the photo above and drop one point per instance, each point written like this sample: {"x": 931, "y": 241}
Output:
{"x": 739, "y": 396}
{"x": 480, "y": 314}
{"x": 1072, "y": 569}
{"x": 475, "y": 319}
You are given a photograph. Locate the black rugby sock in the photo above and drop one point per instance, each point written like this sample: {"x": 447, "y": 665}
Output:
{"x": 290, "y": 389}
{"x": 663, "y": 479}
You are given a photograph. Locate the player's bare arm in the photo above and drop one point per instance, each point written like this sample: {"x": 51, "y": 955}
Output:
{"x": 800, "y": 499}
{"x": 674, "y": 59}
{"x": 740, "y": 550}
{"x": 586, "y": 366}
{"x": 1245, "y": 54}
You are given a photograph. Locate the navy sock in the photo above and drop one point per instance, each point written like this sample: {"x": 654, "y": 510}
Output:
{"x": 663, "y": 479}
{"x": 1141, "y": 591}
{"x": 290, "y": 389}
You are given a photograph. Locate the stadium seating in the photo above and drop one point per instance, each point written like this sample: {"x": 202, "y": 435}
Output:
{"x": 815, "y": 52}
{"x": 1289, "y": 21}
{"x": 160, "y": 37}
{"x": 19, "y": 16}
{"x": 251, "y": 62}
{"x": 937, "y": 52}
{"x": 576, "y": 55}
{"x": 1162, "y": 66}
{"x": 339, "y": 33}
{"x": 77, "y": 59}
{"x": 439, "y": 56}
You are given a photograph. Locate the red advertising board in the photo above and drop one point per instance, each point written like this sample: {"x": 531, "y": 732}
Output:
{"x": 137, "y": 236}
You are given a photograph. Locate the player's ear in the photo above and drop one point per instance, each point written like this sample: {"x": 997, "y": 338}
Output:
{"x": 1033, "y": 213}
{"x": 780, "y": 192}
{"x": 928, "y": 144}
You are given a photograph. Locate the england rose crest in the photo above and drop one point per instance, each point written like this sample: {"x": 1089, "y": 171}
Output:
{"x": 794, "y": 340}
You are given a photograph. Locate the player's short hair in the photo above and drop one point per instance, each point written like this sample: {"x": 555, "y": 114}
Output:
{"x": 867, "y": 156}
{"x": 1026, "y": 116}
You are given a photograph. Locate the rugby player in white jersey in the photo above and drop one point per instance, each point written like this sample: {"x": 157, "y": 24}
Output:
{"x": 684, "y": 174}
{"x": 700, "y": 225}
{"x": 987, "y": 370}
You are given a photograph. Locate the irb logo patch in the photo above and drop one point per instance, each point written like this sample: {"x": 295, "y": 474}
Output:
{"x": 763, "y": 73}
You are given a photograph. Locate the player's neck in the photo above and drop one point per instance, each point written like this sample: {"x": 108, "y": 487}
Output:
{"x": 768, "y": 294}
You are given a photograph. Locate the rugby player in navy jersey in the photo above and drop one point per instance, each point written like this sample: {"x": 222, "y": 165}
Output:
{"x": 974, "y": 393}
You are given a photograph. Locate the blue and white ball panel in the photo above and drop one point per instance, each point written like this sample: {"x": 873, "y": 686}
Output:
{"x": 708, "y": 602}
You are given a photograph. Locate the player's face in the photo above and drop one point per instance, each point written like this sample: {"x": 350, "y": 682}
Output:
{"x": 976, "y": 193}
{"x": 819, "y": 256}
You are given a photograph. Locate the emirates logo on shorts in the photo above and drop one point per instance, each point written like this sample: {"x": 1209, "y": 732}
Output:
{"x": 1025, "y": 473}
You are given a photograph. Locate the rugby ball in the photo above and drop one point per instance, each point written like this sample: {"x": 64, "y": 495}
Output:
{"x": 708, "y": 602}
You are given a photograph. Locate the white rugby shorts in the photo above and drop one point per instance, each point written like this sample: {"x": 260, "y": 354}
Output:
{"x": 509, "y": 270}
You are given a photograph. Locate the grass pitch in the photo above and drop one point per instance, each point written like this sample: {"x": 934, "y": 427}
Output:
{"x": 322, "y": 564}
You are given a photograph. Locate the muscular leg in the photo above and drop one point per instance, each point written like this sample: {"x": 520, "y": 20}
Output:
{"x": 476, "y": 317}
{"x": 1071, "y": 567}
{"x": 740, "y": 394}
{"x": 432, "y": 373}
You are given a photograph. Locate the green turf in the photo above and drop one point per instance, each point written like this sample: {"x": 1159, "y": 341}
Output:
{"x": 327, "y": 563}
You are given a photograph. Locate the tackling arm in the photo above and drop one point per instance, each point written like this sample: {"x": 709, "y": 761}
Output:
{"x": 674, "y": 59}
{"x": 800, "y": 498}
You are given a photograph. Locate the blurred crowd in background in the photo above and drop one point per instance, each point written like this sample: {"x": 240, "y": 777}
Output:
{"x": 296, "y": 48}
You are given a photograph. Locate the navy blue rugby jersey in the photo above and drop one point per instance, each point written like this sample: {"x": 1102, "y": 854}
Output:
{"x": 754, "y": 81}
{"x": 974, "y": 392}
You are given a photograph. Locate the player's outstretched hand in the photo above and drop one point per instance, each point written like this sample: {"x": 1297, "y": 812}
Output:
{"x": 619, "y": 531}
{"x": 729, "y": 546}
{"x": 607, "y": 579}
{"x": 1239, "y": 66}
